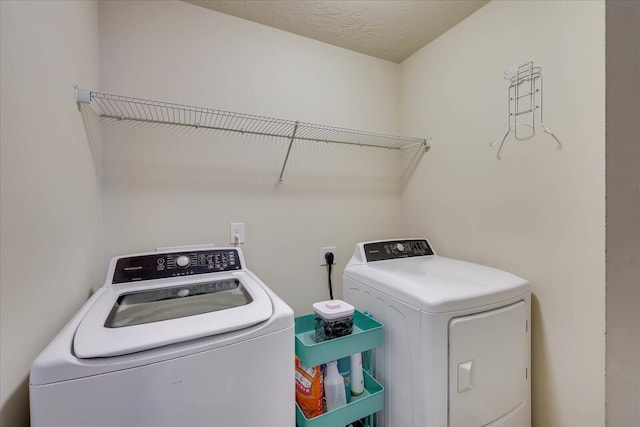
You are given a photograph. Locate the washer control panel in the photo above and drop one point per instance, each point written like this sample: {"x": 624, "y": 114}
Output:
{"x": 161, "y": 266}
{"x": 393, "y": 249}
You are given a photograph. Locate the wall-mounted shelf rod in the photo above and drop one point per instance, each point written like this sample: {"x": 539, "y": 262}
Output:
{"x": 284, "y": 164}
{"x": 121, "y": 107}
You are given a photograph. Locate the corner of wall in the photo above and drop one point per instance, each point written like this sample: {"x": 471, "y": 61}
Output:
{"x": 623, "y": 212}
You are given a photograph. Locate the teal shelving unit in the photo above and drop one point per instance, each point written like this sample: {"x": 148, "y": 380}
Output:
{"x": 367, "y": 334}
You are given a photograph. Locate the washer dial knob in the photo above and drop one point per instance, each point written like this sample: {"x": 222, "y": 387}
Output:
{"x": 182, "y": 261}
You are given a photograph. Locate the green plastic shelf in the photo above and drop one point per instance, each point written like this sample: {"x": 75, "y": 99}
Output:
{"x": 369, "y": 402}
{"x": 366, "y": 335}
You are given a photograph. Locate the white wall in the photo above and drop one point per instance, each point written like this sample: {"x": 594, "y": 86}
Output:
{"x": 540, "y": 211}
{"x": 49, "y": 199}
{"x": 623, "y": 213}
{"x": 168, "y": 186}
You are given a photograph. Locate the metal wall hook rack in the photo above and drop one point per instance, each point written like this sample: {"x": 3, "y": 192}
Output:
{"x": 121, "y": 107}
{"x": 524, "y": 103}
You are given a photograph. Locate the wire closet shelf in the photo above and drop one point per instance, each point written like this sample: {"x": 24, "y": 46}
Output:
{"x": 107, "y": 105}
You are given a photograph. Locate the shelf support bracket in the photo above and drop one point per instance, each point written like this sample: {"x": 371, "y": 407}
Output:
{"x": 83, "y": 96}
{"x": 284, "y": 165}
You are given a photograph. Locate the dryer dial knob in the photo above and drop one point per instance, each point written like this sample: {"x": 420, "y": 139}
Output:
{"x": 400, "y": 247}
{"x": 182, "y": 261}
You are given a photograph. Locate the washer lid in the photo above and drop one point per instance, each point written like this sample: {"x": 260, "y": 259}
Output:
{"x": 437, "y": 284}
{"x": 135, "y": 318}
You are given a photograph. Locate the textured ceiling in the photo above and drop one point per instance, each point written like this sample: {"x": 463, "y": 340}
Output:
{"x": 387, "y": 29}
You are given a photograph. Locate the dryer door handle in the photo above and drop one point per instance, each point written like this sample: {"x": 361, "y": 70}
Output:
{"x": 465, "y": 376}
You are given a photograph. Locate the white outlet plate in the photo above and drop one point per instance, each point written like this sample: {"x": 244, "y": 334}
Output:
{"x": 236, "y": 228}
{"x": 323, "y": 251}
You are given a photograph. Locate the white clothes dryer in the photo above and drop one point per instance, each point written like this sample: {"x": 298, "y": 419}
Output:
{"x": 173, "y": 338}
{"x": 457, "y": 336}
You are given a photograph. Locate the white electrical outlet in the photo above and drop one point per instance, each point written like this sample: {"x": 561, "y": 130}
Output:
{"x": 323, "y": 260}
{"x": 236, "y": 233}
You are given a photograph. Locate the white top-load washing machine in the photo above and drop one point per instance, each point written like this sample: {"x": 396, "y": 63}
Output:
{"x": 173, "y": 338}
{"x": 457, "y": 336}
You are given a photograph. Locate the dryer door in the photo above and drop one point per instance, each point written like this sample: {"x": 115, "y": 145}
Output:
{"x": 488, "y": 361}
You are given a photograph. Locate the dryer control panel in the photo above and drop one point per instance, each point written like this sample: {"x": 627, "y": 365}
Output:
{"x": 164, "y": 265}
{"x": 393, "y": 249}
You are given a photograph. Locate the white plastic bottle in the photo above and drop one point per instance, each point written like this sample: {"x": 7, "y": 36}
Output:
{"x": 357, "y": 380}
{"x": 334, "y": 387}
